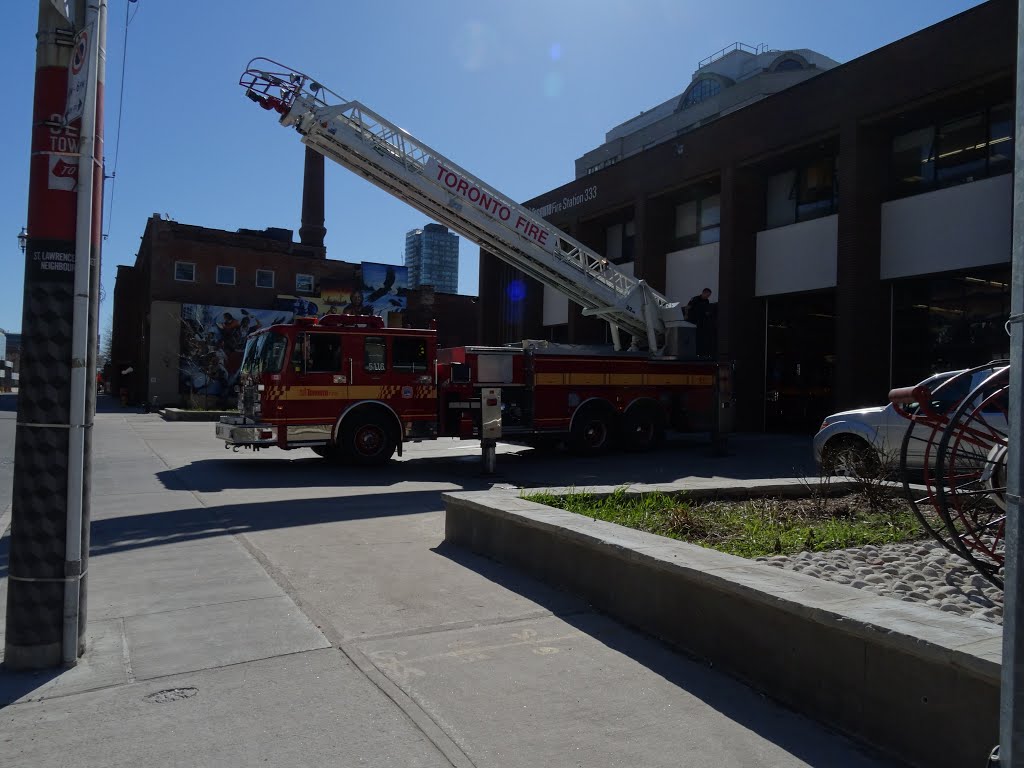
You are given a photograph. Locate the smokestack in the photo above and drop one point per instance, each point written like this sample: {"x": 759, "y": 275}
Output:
{"x": 312, "y": 230}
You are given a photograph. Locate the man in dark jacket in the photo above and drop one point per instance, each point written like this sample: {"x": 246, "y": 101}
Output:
{"x": 698, "y": 312}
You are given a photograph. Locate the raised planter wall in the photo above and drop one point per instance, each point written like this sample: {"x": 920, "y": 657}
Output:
{"x": 906, "y": 679}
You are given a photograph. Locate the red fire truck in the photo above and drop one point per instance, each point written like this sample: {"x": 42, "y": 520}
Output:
{"x": 350, "y": 388}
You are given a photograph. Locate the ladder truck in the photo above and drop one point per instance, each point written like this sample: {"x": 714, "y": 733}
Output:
{"x": 351, "y": 389}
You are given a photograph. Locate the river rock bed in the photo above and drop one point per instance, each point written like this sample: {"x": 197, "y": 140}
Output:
{"x": 917, "y": 572}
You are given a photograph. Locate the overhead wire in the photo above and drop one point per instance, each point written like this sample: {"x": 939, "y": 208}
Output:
{"x": 120, "y": 110}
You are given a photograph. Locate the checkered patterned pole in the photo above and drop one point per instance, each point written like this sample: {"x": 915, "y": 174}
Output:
{"x": 40, "y": 572}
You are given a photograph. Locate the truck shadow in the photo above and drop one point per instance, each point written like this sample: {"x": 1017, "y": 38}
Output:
{"x": 748, "y": 457}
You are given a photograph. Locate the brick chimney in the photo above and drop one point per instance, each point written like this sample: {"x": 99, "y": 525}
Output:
{"x": 312, "y": 230}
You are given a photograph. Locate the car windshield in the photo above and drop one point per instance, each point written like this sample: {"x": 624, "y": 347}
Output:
{"x": 264, "y": 353}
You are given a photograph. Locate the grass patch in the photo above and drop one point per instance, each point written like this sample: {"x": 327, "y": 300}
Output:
{"x": 753, "y": 527}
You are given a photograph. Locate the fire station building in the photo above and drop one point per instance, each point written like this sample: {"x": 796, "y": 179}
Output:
{"x": 852, "y": 220}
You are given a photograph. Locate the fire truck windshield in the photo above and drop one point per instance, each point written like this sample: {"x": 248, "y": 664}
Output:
{"x": 264, "y": 353}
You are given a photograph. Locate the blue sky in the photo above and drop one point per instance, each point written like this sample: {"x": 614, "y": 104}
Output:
{"x": 514, "y": 92}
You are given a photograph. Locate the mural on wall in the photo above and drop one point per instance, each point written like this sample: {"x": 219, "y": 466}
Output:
{"x": 299, "y": 306}
{"x": 385, "y": 289}
{"x": 212, "y": 342}
{"x": 340, "y": 297}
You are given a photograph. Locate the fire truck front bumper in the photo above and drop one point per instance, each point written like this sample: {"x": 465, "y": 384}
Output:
{"x": 236, "y": 431}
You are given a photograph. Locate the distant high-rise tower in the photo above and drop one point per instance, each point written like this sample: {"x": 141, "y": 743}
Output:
{"x": 432, "y": 256}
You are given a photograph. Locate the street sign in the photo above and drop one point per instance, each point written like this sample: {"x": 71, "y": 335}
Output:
{"x": 78, "y": 76}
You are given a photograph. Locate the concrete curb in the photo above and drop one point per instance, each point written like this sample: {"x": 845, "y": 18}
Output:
{"x": 914, "y": 682}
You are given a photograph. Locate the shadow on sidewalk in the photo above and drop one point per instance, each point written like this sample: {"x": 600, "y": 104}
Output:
{"x": 750, "y": 457}
{"x": 153, "y": 529}
{"x": 731, "y": 697}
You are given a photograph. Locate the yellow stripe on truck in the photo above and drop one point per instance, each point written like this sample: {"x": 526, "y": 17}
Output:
{"x": 387, "y": 392}
{"x": 623, "y": 379}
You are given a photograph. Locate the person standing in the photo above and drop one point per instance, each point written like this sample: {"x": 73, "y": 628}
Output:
{"x": 698, "y": 312}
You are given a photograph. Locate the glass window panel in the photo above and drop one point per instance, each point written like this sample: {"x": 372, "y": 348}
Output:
{"x": 185, "y": 271}
{"x": 781, "y": 199}
{"x": 1000, "y": 141}
{"x": 264, "y": 278}
{"x": 913, "y": 166}
{"x": 710, "y": 235}
{"x": 962, "y": 148}
{"x": 375, "y": 354}
{"x": 304, "y": 283}
{"x": 225, "y": 275}
{"x": 409, "y": 354}
{"x": 686, "y": 219}
{"x": 711, "y": 211}
{"x": 324, "y": 352}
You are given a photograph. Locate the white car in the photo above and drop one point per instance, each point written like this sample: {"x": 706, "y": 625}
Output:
{"x": 870, "y": 439}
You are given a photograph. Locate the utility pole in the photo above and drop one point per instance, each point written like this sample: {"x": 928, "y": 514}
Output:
{"x": 46, "y": 617}
{"x": 1011, "y": 704}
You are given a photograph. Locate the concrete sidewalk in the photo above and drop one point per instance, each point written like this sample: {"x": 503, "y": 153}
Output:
{"x": 272, "y": 609}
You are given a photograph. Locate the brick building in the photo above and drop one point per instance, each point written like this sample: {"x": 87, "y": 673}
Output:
{"x": 182, "y": 310}
{"x": 854, "y": 226}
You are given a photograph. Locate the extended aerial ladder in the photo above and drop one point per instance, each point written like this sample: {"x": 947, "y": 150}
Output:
{"x": 364, "y": 142}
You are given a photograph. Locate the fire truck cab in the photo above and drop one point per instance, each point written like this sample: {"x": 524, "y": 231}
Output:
{"x": 343, "y": 385}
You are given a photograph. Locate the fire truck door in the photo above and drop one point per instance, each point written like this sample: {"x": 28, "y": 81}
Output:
{"x": 322, "y": 382}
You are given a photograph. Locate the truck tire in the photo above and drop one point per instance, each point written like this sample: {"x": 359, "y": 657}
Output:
{"x": 643, "y": 428}
{"x": 592, "y": 432}
{"x": 366, "y": 440}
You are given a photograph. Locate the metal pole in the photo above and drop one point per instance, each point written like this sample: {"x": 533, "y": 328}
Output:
{"x": 40, "y": 533}
{"x": 81, "y": 417}
{"x": 1011, "y": 709}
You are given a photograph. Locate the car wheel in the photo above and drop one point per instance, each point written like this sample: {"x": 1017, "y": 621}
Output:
{"x": 850, "y": 456}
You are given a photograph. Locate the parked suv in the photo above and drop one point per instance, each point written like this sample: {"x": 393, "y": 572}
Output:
{"x": 870, "y": 439}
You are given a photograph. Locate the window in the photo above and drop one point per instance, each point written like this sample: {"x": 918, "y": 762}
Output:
{"x": 225, "y": 275}
{"x": 409, "y": 354}
{"x": 374, "y": 354}
{"x": 324, "y": 352}
{"x": 913, "y": 159}
{"x": 963, "y": 149}
{"x": 816, "y": 190}
{"x": 788, "y": 65}
{"x": 264, "y": 278}
{"x": 185, "y": 271}
{"x": 701, "y": 90}
{"x": 699, "y": 221}
{"x": 1000, "y": 139}
{"x": 264, "y": 353}
{"x": 303, "y": 283}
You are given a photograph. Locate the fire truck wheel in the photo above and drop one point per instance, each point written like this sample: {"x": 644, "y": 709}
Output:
{"x": 642, "y": 429}
{"x": 591, "y": 432}
{"x": 366, "y": 440}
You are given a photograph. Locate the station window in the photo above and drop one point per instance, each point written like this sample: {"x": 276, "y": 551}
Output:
{"x": 699, "y": 221}
{"x": 225, "y": 275}
{"x": 961, "y": 149}
{"x": 264, "y": 278}
{"x": 185, "y": 271}
{"x": 303, "y": 283}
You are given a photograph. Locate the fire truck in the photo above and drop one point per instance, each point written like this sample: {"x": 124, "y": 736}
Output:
{"x": 354, "y": 390}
